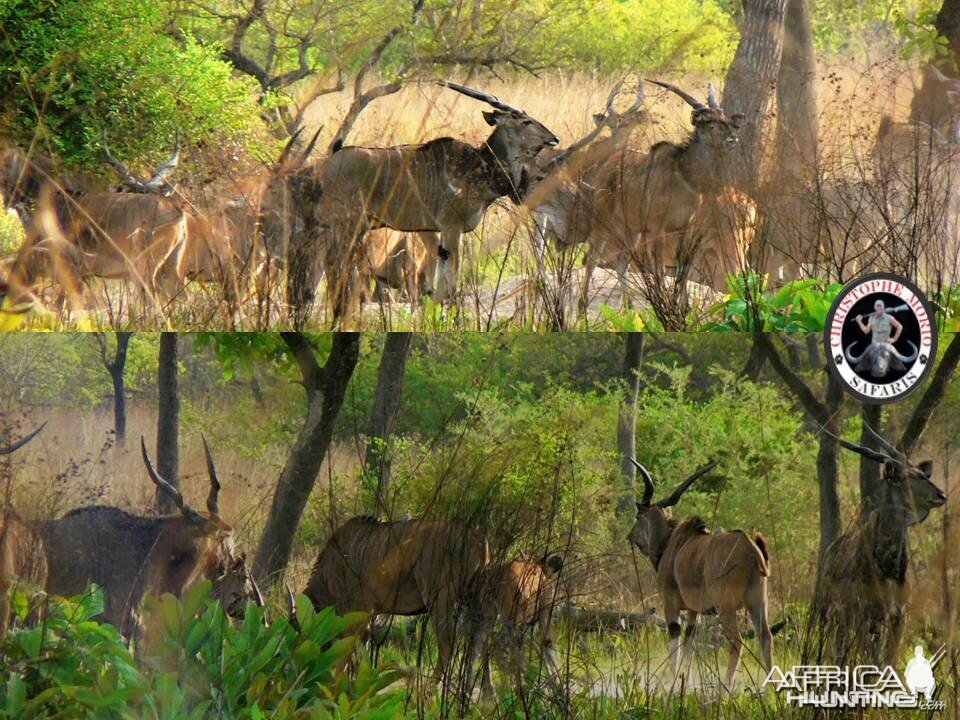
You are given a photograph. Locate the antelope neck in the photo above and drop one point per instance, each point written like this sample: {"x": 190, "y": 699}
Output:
{"x": 657, "y": 555}
{"x": 496, "y": 164}
{"x": 698, "y": 169}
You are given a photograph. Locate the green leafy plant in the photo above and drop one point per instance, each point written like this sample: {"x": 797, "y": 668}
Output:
{"x": 749, "y": 305}
{"x": 68, "y": 666}
{"x": 282, "y": 670}
{"x": 194, "y": 664}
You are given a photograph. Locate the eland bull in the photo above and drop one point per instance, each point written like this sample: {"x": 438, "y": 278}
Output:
{"x": 407, "y": 567}
{"x": 443, "y": 186}
{"x": 21, "y": 550}
{"x": 129, "y": 555}
{"x": 863, "y": 584}
{"x": 699, "y": 571}
{"x": 561, "y": 197}
{"x": 648, "y": 202}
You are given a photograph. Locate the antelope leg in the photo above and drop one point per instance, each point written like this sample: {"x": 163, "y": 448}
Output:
{"x": 687, "y": 652}
{"x": 448, "y": 266}
{"x": 728, "y": 623}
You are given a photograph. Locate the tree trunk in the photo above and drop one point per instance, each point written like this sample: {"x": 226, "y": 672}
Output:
{"x": 627, "y": 421}
{"x": 751, "y": 77}
{"x": 116, "y": 366}
{"x": 948, "y": 25}
{"x": 309, "y": 450}
{"x": 119, "y": 406}
{"x": 383, "y": 416}
{"x": 870, "y": 470}
{"x": 168, "y": 419}
{"x": 796, "y": 145}
{"x": 789, "y": 221}
{"x": 828, "y": 471}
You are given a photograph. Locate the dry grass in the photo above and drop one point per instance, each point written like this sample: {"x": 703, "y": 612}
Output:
{"x": 501, "y": 284}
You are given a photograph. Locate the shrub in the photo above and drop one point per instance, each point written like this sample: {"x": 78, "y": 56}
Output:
{"x": 194, "y": 664}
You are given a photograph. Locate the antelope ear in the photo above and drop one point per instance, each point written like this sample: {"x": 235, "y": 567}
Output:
{"x": 553, "y": 564}
{"x": 598, "y": 118}
{"x": 492, "y": 117}
{"x": 926, "y": 467}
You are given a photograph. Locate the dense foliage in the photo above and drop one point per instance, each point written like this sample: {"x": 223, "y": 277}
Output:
{"x": 194, "y": 664}
{"x": 73, "y": 73}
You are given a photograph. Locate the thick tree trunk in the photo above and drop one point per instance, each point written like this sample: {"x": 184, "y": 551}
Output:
{"x": 752, "y": 76}
{"x": 383, "y": 416}
{"x": 627, "y": 421}
{"x": 755, "y": 362}
{"x": 796, "y": 145}
{"x": 119, "y": 406}
{"x": 789, "y": 219}
{"x": 326, "y": 388}
{"x": 168, "y": 419}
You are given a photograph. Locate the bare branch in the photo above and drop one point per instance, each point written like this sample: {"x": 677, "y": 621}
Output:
{"x": 816, "y": 409}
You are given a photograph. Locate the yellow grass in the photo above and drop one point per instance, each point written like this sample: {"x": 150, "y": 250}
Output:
{"x": 852, "y": 97}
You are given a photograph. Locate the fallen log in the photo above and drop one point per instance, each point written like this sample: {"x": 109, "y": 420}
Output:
{"x": 596, "y": 619}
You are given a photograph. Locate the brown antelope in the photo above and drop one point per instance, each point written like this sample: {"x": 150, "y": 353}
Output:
{"x": 22, "y": 553}
{"x": 647, "y": 202}
{"x": 699, "y": 571}
{"x": 138, "y": 233}
{"x": 129, "y": 555}
{"x": 443, "y": 185}
{"x": 916, "y": 165}
{"x": 561, "y": 197}
{"x": 409, "y": 567}
{"x": 405, "y": 261}
{"x": 935, "y": 102}
{"x": 863, "y": 585}
{"x": 520, "y": 594}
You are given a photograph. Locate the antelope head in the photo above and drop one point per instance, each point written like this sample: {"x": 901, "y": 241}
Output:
{"x": 193, "y": 545}
{"x": 654, "y": 523}
{"x": 233, "y": 585}
{"x": 712, "y": 127}
{"x": 156, "y": 185}
{"x": 517, "y": 138}
{"x": 912, "y": 493}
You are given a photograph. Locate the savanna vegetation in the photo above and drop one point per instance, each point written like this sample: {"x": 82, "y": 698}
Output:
{"x": 525, "y": 438}
{"x": 224, "y": 87}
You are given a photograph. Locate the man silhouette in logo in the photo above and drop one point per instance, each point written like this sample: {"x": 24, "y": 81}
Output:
{"x": 880, "y": 322}
{"x": 919, "y": 675}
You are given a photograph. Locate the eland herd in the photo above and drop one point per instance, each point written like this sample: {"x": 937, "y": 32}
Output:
{"x": 396, "y": 216}
{"x": 443, "y": 569}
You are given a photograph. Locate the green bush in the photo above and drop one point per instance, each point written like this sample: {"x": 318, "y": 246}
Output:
{"x": 72, "y": 71}
{"x": 800, "y": 306}
{"x": 194, "y": 664}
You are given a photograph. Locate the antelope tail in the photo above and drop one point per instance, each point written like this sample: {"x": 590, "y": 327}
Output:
{"x": 763, "y": 562}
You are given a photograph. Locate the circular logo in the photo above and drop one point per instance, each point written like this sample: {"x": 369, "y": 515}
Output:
{"x": 881, "y": 338}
